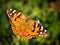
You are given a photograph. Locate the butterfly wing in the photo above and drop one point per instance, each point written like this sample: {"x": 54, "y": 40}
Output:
{"x": 25, "y": 27}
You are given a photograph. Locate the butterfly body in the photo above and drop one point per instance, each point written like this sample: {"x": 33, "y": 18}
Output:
{"x": 24, "y": 26}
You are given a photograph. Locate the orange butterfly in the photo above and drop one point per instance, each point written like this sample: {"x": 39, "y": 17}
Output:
{"x": 24, "y": 27}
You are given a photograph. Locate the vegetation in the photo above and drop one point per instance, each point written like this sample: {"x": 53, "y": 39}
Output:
{"x": 48, "y": 17}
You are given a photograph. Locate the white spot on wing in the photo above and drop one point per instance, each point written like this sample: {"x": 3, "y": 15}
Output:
{"x": 41, "y": 28}
{"x": 14, "y": 11}
{"x": 45, "y": 35}
{"x": 40, "y": 32}
{"x": 10, "y": 9}
{"x": 45, "y": 30}
{"x": 41, "y": 35}
{"x": 10, "y": 13}
{"x": 19, "y": 13}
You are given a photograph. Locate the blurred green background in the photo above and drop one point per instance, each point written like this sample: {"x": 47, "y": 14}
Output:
{"x": 48, "y": 16}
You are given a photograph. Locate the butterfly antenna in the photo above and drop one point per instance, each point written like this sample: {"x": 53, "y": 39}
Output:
{"x": 37, "y": 20}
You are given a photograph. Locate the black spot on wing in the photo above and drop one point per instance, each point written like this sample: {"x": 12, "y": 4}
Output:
{"x": 33, "y": 30}
{"x": 17, "y": 16}
{"x": 34, "y": 27}
{"x": 28, "y": 34}
{"x": 34, "y": 24}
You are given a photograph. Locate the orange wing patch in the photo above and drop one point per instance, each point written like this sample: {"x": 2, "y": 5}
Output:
{"x": 24, "y": 26}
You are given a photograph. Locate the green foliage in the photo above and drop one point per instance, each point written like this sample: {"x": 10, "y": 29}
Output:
{"x": 35, "y": 8}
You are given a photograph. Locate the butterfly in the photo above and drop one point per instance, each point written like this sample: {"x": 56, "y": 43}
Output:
{"x": 24, "y": 27}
